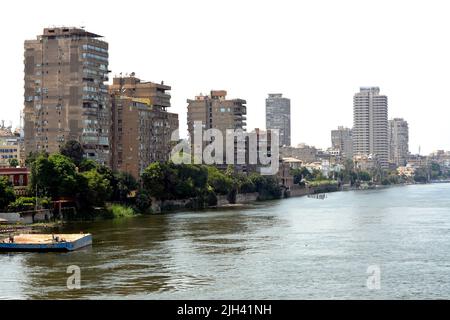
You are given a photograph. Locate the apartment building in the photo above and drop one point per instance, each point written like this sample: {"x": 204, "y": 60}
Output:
{"x": 278, "y": 116}
{"x": 398, "y": 141}
{"x": 342, "y": 141}
{"x": 215, "y": 111}
{"x": 65, "y": 92}
{"x": 370, "y": 125}
{"x": 141, "y": 125}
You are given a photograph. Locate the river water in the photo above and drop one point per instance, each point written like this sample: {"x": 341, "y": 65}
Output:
{"x": 297, "y": 248}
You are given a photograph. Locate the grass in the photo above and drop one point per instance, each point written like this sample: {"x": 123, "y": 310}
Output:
{"x": 120, "y": 211}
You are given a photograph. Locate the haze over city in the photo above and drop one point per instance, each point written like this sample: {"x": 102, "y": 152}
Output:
{"x": 317, "y": 54}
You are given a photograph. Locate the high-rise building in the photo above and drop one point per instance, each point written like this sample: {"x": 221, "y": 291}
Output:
{"x": 65, "y": 92}
{"x": 141, "y": 126}
{"x": 214, "y": 111}
{"x": 278, "y": 116}
{"x": 398, "y": 141}
{"x": 341, "y": 140}
{"x": 370, "y": 125}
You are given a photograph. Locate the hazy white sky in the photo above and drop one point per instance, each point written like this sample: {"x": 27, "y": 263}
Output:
{"x": 318, "y": 53}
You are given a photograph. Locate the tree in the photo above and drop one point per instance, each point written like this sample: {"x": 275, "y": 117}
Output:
{"x": 32, "y": 156}
{"x": 143, "y": 201}
{"x": 73, "y": 150}
{"x": 266, "y": 186}
{"x": 122, "y": 185}
{"x": 154, "y": 180}
{"x": 87, "y": 165}
{"x": 220, "y": 183}
{"x": 13, "y": 163}
{"x": 95, "y": 190}
{"x": 301, "y": 173}
{"x": 54, "y": 176}
{"x": 175, "y": 181}
{"x": 421, "y": 175}
{"x": 364, "y": 176}
{"x": 7, "y": 194}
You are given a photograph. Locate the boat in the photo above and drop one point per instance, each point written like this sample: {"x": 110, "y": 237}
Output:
{"x": 45, "y": 242}
{"x": 320, "y": 196}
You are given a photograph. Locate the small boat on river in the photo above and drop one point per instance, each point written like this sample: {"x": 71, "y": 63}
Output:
{"x": 45, "y": 242}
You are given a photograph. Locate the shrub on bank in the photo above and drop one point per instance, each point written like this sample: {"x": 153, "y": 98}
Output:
{"x": 119, "y": 211}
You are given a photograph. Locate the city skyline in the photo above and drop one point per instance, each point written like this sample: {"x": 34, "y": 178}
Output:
{"x": 305, "y": 66}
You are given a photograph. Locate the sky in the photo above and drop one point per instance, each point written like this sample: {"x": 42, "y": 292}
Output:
{"x": 317, "y": 53}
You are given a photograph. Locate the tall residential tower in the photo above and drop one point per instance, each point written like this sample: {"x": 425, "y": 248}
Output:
{"x": 278, "y": 116}
{"x": 398, "y": 141}
{"x": 65, "y": 92}
{"x": 370, "y": 125}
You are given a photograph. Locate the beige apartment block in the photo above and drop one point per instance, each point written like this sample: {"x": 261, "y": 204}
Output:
{"x": 370, "y": 125}
{"x": 398, "y": 141}
{"x": 215, "y": 111}
{"x": 141, "y": 126}
{"x": 65, "y": 92}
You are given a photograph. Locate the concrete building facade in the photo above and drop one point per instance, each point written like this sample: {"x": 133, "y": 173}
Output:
{"x": 398, "y": 141}
{"x": 141, "y": 125}
{"x": 302, "y": 152}
{"x": 278, "y": 116}
{"x": 215, "y": 111}
{"x": 10, "y": 146}
{"x": 65, "y": 92}
{"x": 341, "y": 140}
{"x": 370, "y": 125}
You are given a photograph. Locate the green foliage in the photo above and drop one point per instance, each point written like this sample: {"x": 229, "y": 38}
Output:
{"x": 211, "y": 198}
{"x": 266, "y": 186}
{"x": 7, "y": 194}
{"x": 246, "y": 185}
{"x": 301, "y": 173}
{"x": 28, "y": 203}
{"x": 123, "y": 184}
{"x": 421, "y": 175}
{"x": 119, "y": 211}
{"x": 143, "y": 202}
{"x": 220, "y": 183}
{"x": 13, "y": 162}
{"x": 321, "y": 183}
{"x": 54, "y": 176}
{"x": 87, "y": 165}
{"x": 73, "y": 150}
{"x": 364, "y": 176}
{"x": 32, "y": 156}
{"x": 95, "y": 188}
{"x": 166, "y": 181}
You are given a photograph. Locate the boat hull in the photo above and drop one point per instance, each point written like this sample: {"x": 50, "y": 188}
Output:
{"x": 82, "y": 242}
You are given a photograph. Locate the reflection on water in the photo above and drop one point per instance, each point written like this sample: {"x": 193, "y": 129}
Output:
{"x": 287, "y": 249}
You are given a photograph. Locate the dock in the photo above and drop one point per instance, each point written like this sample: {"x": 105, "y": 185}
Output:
{"x": 45, "y": 242}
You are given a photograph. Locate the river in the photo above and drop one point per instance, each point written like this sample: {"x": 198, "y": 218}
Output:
{"x": 297, "y": 248}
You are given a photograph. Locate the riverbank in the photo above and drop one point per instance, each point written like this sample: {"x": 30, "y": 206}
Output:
{"x": 27, "y": 228}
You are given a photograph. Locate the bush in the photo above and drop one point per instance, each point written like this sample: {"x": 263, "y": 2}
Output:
{"x": 143, "y": 202}
{"x": 28, "y": 203}
{"x": 211, "y": 199}
{"x": 119, "y": 211}
{"x": 7, "y": 194}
